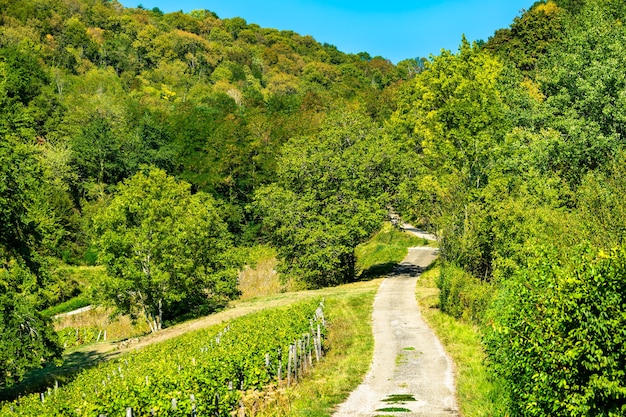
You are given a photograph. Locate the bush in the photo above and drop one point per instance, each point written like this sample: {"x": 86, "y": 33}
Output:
{"x": 462, "y": 295}
{"x": 557, "y": 335}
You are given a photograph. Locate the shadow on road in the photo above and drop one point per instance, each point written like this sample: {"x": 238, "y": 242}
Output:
{"x": 377, "y": 271}
{"x": 407, "y": 268}
{"x": 410, "y": 265}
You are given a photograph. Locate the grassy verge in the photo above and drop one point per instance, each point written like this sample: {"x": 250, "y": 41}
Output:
{"x": 478, "y": 394}
{"x": 350, "y": 346}
{"x": 384, "y": 251}
{"x": 67, "y": 306}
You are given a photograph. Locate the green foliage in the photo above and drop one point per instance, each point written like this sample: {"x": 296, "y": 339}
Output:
{"x": 479, "y": 392}
{"x": 557, "y": 335}
{"x": 214, "y": 366}
{"x": 454, "y": 115}
{"x": 19, "y": 172}
{"x": 210, "y": 101}
{"x": 328, "y": 199}
{"x": 22, "y": 77}
{"x": 164, "y": 248}
{"x": 583, "y": 85}
{"x": 384, "y": 251}
{"x": 28, "y": 339}
{"x": 530, "y": 36}
{"x": 463, "y": 296}
{"x": 600, "y": 205}
{"x": 67, "y": 306}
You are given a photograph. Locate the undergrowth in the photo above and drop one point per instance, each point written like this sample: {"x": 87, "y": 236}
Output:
{"x": 478, "y": 393}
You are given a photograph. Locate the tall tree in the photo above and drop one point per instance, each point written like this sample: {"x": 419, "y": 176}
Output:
{"x": 328, "y": 199}
{"x": 164, "y": 248}
{"x": 453, "y": 116}
{"x": 27, "y": 340}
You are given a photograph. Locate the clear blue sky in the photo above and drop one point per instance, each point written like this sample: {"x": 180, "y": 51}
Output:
{"x": 394, "y": 29}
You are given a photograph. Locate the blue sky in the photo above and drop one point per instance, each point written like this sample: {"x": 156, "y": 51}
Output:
{"x": 393, "y": 29}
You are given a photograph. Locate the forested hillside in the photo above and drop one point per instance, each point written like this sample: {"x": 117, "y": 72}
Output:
{"x": 182, "y": 108}
{"x": 158, "y": 145}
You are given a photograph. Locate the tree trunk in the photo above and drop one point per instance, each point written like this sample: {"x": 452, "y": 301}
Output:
{"x": 151, "y": 323}
{"x": 160, "y": 318}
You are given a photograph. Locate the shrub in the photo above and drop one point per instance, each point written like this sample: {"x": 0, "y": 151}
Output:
{"x": 462, "y": 295}
{"x": 557, "y": 335}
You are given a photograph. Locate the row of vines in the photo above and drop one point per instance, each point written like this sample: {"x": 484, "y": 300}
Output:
{"x": 78, "y": 336}
{"x": 202, "y": 373}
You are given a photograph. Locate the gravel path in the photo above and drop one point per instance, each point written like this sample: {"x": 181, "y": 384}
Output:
{"x": 411, "y": 375}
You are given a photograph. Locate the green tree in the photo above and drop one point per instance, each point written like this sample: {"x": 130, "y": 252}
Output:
{"x": 600, "y": 205}
{"x": 165, "y": 249}
{"x": 584, "y": 85}
{"x": 328, "y": 199}
{"x": 22, "y": 79}
{"x": 530, "y": 36}
{"x": 453, "y": 117}
{"x": 98, "y": 153}
{"x": 457, "y": 114}
{"x": 27, "y": 340}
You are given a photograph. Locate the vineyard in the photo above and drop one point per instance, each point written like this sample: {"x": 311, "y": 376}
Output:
{"x": 202, "y": 373}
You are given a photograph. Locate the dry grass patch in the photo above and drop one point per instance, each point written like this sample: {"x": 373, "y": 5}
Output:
{"x": 118, "y": 327}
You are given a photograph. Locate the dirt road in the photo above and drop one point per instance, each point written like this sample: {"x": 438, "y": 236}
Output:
{"x": 410, "y": 375}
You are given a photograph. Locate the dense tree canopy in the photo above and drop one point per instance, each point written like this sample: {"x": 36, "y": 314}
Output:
{"x": 90, "y": 92}
{"x": 169, "y": 138}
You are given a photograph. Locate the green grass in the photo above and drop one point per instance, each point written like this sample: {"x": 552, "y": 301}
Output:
{"x": 351, "y": 345}
{"x": 478, "y": 393}
{"x": 394, "y": 409}
{"x": 384, "y": 250}
{"x": 399, "y": 398}
{"x": 67, "y": 306}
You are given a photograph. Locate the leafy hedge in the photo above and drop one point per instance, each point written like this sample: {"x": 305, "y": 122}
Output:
{"x": 558, "y": 335}
{"x": 72, "y": 304}
{"x": 462, "y": 295}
